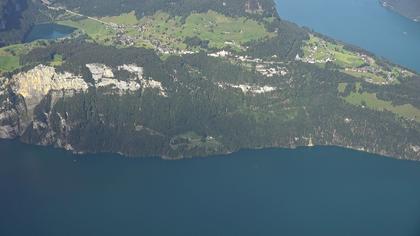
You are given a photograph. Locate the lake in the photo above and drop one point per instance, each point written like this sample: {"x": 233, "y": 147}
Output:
{"x": 48, "y": 31}
{"x": 320, "y": 191}
{"x": 364, "y": 23}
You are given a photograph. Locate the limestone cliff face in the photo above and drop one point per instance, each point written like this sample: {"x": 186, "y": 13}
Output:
{"x": 22, "y": 93}
{"x": 104, "y": 77}
{"x": 11, "y": 110}
{"x": 35, "y": 84}
{"x": 110, "y": 113}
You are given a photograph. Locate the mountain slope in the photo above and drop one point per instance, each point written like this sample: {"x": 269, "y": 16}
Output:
{"x": 407, "y": 8}
{"x": 193, "y": 78}
{"x": 16, "y": 19}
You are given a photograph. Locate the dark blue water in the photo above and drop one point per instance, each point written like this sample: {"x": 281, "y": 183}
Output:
{"x": 324, "y": 191}
{"x": 321, "y": 191}
{"x": 48, "y": 31}
{"x": 364, "y": 23}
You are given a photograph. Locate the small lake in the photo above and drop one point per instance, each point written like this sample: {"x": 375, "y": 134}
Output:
{"x": 364, "y": 23}
{"x": 48, "y": 31}
{"x": 323, "y": 191}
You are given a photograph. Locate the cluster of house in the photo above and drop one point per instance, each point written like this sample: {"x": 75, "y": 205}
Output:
{"x": 124, "y": 39}
{"x": 311, "y": 57}
{"x": 266, "y": 68}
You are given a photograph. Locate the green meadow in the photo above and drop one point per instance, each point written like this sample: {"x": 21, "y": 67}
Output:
{"x": 371, "y": 101}
{"x": 221, "y": 31}
{"x": 10, "y": 55}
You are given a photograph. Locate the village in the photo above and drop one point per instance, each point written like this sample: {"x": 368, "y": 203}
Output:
{"x": 266, "y": 68}
{"x": 319, "y": 51}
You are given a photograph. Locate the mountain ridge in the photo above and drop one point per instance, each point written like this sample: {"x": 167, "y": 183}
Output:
{"x": 407, "y": 8}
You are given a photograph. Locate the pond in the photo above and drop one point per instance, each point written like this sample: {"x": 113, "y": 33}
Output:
{"x": 48, "y": 31}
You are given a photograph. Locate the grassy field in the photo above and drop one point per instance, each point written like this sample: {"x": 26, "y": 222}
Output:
{"x": 347, "y": 59}
{"x": 10, "y": 55}
{"x": 57, "y": 60}
{"x": 123, "y": 19}
{"x": 169, "y": 32}
{"x": 321, "y": 50}
{"x": 221, "y": 30}
{"x": 367, "y": 76}
{"x": 99, "y": 32}
{"x": 342, "y": 87}
{"x": 9, "y": 63}
{"x": 162, "y": 28}
{"x": 370, "y": 100}
{"x": 191, "y": 140}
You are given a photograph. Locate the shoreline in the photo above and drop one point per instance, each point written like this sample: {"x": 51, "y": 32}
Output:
{"x": 392, "y": 8}
{"x": 85, "y": 154}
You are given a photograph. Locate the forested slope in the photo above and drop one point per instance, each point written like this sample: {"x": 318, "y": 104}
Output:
{"x": 188, "y": 78}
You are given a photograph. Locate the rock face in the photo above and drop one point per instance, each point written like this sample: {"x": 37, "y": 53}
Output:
{"x": 11, "y": 111}
{"x": 35, "y": 84}
{"x": 249, "y": 89}
{"x": 21, "y": 94}
{"x": 104, "y": 77}
{"x": 407, "y": 8}
{"x": 10, "y": 119}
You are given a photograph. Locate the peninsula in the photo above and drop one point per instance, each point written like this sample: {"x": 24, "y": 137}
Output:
{"x": 187, "y": 78}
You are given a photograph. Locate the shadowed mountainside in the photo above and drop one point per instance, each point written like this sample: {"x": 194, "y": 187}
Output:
{"x": 407, "y": 8}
